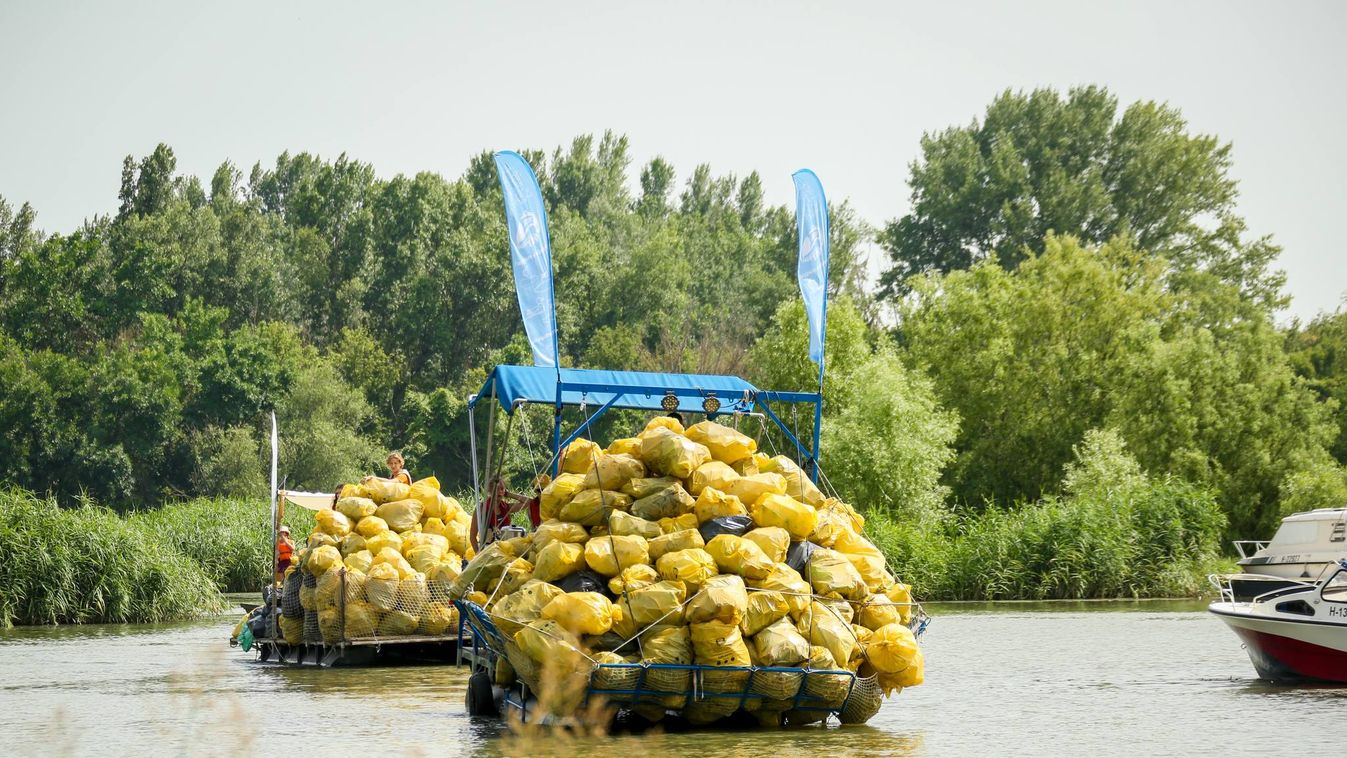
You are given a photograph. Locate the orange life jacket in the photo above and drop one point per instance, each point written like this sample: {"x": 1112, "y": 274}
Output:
{"x": 403, "y": 477}
{"x": 285, "y": 550}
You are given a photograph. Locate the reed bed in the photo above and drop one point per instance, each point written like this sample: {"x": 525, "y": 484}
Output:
{"x": 88, "y": 565}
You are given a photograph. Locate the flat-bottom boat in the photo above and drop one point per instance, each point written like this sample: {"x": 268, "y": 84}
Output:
{"x": 1293, "y": 633}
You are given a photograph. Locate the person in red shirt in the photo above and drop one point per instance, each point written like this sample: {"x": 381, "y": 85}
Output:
{"x": 500, "y": 504}
{"x": 285, "y": 552}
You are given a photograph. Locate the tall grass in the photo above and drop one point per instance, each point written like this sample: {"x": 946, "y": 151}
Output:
{"x": 88, "y": 565}
{"x": 230, "y": 539}
{"x": 1155, "y": 540}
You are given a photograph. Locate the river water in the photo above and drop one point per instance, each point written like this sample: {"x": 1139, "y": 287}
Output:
{"x": 1149, "y": 678}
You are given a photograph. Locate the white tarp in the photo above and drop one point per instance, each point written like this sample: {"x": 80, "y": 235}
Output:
{"x": 314, "y": 501}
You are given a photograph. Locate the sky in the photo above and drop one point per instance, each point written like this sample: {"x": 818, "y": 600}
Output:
{"x": 844, "y": 88}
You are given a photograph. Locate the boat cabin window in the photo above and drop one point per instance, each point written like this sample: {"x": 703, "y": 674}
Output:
{"x": 1296, "y": 533}
{"x": 1339, "y": 532}
{"x": 1335, "y": 589}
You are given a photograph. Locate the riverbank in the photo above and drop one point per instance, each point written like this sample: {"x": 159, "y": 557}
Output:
{"x": 1056, "y": 678}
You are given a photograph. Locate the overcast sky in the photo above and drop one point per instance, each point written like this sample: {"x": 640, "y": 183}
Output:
{"x": 844, "y": 88}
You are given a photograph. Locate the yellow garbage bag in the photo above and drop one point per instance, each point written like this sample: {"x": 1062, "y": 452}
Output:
{"x": 736, "y": 555}
{"x": 423, "y": 539}
{"x": 901, "y": 595}
{"x": 356, "y": 508}
{"x": 401, "y": 515}
{"x": 445, "y": 572}
{"x": 558, "y": 560}
{"x": 892, "y": 648}
{"x": 381, "y": 586}
{"x": 484, "y": 570}
{"x": 558, "y": 531}
{"x": 591, "y": 507}
{"x": 633, "y": 578}
{"x": 856, "y": 519}
{"x": 669, "y": 645}
{"x": 579, "y": 456}
{"x": 748, "y": 466}
{"x": 424, "y": 558}
{"x": 670, "y": 454}
{"x": 829, "y": 525}
{"x": 435, "y": 525}
{"x": 647, "y": 486}
{"x": 877, "y": 611}
{"x": 438, "y": 618}
{"x": 780, "y": 644}
{"x": 516, "y": 573}
{"x": 829, "y": 571}
{"x": 609, "y": 555}
{"x": 332, "y": 522}
{"x": 322, "y": 559}
{"x": 863, "y": 634}
{"x": 458, "y": 534}
{"x": 678, "y": 523}
{"x": 413, "y": 594}
{"x": 824, "y": 626}
{"x": 380, "y": 541}
{"x": 713, "y": 503}
{"x": 798, "y": 483}
{"x": 661, "y": 422}
{"x": 764, "y": 607}
{"x": 786, "y": 512}
{"x": 558, "y": 493}
{"x": 371, "y": 525}
{"x": 612, "y": 472}
{"x": 362, "y": 619}
{"x": 393, "y": 558}
{"x": 318, "y": 539}
{"x": 329, "y": 624}
{"x": 581, "y": 612}
{"x": 872, "y": 571}
{"x": 774, "y": 541}
{"x": 427, "y": 493}
{"x": 621, "y": 523}
{"x": 292, "y": 629}
{"x": 674, "y": 541}
{"x": 352, "y": 543}
{"x": 398, "y": 623}
{"x": 726, "y": 444}
{"x": 669, "y": 501}
{"x": 913, "y": 675}
{"x": 692, "y": 566}
{"x": 624, "y": 446}
{"x": 717, "y": 643}
{"x": 750, "y": 489}
{"x": 545, "y": 640}
{"x": 451, "y": 507}
{"x": 720, "y": 598}
{"x": 306, "y": 598}
{"x": 359, "y": 561}
{"x": 524, "y": 606}
{"x": 791, "y": 585}
{"x": 385, "y": 490}
{"x": 711, "y": 474}
{"x": 328, "y": 591}
{"x": 658, "y": 603}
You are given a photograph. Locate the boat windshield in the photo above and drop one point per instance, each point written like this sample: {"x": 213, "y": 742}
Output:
{"x": 1296, "y": 533}
{"x": 1335, "y": 589}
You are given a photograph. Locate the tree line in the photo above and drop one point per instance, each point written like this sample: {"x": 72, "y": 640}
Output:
{"x": 1068, "y": 268}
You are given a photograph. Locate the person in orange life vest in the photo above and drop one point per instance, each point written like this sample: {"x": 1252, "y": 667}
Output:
{"x": 500, "y": 504}
{"x": 285, "y": 552}
{"x": 396, "y": 470}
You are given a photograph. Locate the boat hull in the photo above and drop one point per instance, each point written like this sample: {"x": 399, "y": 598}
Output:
{"x": 1284, "y": 650}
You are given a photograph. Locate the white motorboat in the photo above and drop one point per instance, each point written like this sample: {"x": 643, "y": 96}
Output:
{"x": 1306, "y": 547}
{"x": 1293, "y": 633}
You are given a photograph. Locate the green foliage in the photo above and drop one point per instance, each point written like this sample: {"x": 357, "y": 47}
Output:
{"x": 323, "y": 445}
{"x": 1080, "y": 338}
{"x": 229, "y": 462}
{"x": 1038, "y": 163}
{"x": 1318, "y": 354}
{"x": 87, "y": 565}
{"x": 888, "y": 445}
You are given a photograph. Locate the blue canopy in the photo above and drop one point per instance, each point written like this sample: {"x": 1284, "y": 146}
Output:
{"x": 638, "y": 389}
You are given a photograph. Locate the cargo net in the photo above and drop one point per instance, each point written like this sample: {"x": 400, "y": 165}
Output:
{"x": 347, "y": 606}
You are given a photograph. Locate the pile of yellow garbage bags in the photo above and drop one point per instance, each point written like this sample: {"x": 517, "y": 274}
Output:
{"x": 687, "y": 546}
{"x": 381, "y": 563}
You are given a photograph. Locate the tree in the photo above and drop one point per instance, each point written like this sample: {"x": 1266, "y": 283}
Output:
{"x": 1039, "y": 163}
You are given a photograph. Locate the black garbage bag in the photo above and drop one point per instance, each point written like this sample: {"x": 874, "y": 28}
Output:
{"x": 736, "y": 525}
{"x": 584, "y": 580}
{"x": 797, "y": 556}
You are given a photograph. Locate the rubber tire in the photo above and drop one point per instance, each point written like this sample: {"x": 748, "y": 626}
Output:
{"x": 479, "y": 698}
